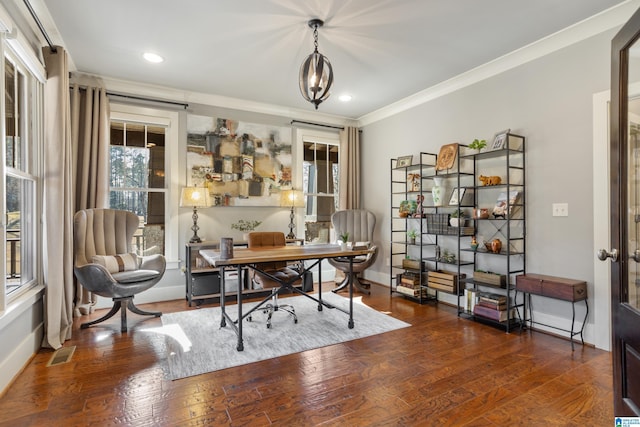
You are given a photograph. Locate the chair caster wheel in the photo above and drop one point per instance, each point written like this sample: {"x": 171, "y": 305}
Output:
{"x": 268, "y": 326}
{"x": 295, "y": 321}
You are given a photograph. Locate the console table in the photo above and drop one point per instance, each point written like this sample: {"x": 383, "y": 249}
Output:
{"x": 558, "y": 288}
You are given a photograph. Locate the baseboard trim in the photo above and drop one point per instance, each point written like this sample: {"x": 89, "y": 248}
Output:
{"x": 19, "y": 358}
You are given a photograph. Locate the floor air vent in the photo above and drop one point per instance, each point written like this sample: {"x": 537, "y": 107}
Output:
{"x": 62, "y": 355}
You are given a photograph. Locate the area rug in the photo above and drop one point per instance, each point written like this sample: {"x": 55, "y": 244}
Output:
{"x": 196, "y": 343}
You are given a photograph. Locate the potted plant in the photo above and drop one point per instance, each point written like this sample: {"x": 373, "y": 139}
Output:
{"x": 456, "y": 219}
{"x": 344, "y": 238}
{"x": 412, "y": 234}
{"x": 245, "y": 227}
{"x": 478, "y": 144}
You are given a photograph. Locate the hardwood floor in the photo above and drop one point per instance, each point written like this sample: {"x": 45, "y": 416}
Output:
{"x": 443, "y": 370}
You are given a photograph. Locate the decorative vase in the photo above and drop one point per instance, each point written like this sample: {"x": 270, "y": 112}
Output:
{"x": 496, "y": 246}
{"x": 437, "y": 191}
{"x": 343, "y": 245}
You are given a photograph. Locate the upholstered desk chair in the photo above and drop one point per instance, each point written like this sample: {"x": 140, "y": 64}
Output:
{"x": 105, "y": 265}
{"x": 280, "y": 270}
{"x": 360, "y": 225}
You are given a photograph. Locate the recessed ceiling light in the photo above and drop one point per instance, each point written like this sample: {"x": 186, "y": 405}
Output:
{"x": 345, "y": 98}
{"x": 152, "y": 57}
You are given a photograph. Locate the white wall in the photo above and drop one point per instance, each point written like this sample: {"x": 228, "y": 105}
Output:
{"x": 549, "y": 101}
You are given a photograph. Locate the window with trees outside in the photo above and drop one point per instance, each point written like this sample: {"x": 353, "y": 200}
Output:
{"x": 320, "y": 179}
{"x": 20, "y": 175}
{"x": 137, "y": 181}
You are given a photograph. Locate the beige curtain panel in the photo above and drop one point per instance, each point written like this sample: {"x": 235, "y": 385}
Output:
{"x": 90, "y": 144}
{"x": 57, "y": 202}
{"x": 349, "y": 168}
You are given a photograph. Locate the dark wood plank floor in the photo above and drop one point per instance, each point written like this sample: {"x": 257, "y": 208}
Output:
{"x": 441, "y": 371}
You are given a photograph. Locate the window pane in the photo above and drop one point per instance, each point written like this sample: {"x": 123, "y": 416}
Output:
{"x": 138, "y": 181}
{"x": 19, "y": 234}
{"x": 135, "y": 135}
{"x": 320, "y": 181}
{"x": 149, "y": 206}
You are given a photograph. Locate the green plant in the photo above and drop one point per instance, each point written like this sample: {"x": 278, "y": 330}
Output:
{"x": 478, "y": 144}
{"x": 412, "y": 234}
{"x": 344, "y": 237}
{"x": 458, "y": 213}
{"x": 245, "y": 226}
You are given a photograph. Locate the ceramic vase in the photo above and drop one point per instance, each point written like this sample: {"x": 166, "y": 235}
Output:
{"x": 437, "y": 191}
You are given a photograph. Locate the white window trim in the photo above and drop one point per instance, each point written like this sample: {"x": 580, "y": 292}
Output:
{"x": 26, "y": 63}
{"x": 170, "y": 120}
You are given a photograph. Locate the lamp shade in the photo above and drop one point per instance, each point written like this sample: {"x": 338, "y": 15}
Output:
{"x": 292, "y": 198}
{"x": 196, "y": 197}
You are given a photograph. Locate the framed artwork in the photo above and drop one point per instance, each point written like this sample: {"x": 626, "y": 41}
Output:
{"x": 456, "y": 196}
{"x": 499, "y": 140}
{"x": 404, "y": 161}
{"x": 241, "y": 163}
{"x": 447, "y": 156}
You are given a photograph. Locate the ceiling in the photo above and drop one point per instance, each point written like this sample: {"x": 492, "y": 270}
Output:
{"x": 381, "y": 50}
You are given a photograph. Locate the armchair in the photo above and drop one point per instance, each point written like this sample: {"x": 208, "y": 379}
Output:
{"x": 360, "y": 225}
{"x": 104, "y": 264}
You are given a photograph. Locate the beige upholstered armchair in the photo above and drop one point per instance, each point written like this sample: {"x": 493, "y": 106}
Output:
{"x": 105, "y": 265}
{"x": 360, "y": 225}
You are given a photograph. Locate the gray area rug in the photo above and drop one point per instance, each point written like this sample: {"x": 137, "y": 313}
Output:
{"x": 196, "y": 343}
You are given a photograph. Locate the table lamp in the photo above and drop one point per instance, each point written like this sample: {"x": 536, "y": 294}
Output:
{"x": 196, "y": 197}
{"x": 293, "y": 199}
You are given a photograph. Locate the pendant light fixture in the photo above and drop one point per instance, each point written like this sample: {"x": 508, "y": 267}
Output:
{"x": 316, "y": 74}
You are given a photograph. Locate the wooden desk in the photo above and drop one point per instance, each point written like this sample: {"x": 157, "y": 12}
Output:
{"x": 558, "y": 288}
{"x": 244, "y": 259}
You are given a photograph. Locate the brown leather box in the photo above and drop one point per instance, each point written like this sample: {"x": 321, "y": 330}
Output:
{"x": 552, "y": 287}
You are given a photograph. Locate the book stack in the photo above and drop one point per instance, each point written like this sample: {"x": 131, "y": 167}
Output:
{"x": 409, "y": 284}
{"x": 491, "y": 306}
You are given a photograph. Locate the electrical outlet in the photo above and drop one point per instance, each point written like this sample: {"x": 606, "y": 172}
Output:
{"x": 560, "y": 209}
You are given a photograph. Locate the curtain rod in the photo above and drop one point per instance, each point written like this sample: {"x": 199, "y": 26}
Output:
{"x": 317, "y": 124}
{"x": 142, "y": 98}
{"x": 40, "y": 26}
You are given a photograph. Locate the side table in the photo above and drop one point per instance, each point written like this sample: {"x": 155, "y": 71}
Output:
{"x": 558, "y": 288}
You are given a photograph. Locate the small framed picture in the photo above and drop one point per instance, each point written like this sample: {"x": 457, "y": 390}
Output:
{"x": 404, "y": 161}
{"x": 499, "y": 140}
{"x": 456, "y": 195}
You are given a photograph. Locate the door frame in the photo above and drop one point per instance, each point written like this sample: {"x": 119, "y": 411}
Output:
{"x": 601, "y": 225}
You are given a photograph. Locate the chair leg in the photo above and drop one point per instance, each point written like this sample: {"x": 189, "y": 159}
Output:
{"x": 116, "y": 306}
{"x": 121, "y": 304}
{"x": 131, "y": 306}
{"x": 274, "y": 306}
{"x": 356, "y": 284}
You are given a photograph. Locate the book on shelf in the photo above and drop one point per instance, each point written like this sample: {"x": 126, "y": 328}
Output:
{"x": 411, "y": 291}
{"x": 493, "y": 305}
{"x": 490, "y": 313}
{"x": 491, "y": 297}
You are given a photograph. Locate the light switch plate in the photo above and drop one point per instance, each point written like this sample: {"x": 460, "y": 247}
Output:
{"x": 560, "y": 209}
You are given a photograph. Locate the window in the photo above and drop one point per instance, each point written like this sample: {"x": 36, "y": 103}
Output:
{"x": 137, "y": 181}
{"x": 320, "y": 179}
{"x": 20, "y": 168}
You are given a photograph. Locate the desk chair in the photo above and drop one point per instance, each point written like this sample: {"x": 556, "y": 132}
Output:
{"x": 280, "y": 270}
{"x": 360, "y": 225}
{"x": 106, "y": 265}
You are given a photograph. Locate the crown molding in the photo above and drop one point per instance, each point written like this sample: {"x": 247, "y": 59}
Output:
{"x": 169, "y": 94}
{"x": 596, "y": 24}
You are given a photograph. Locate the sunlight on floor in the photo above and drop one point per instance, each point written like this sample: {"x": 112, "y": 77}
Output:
{"x": 174, "y": 331}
